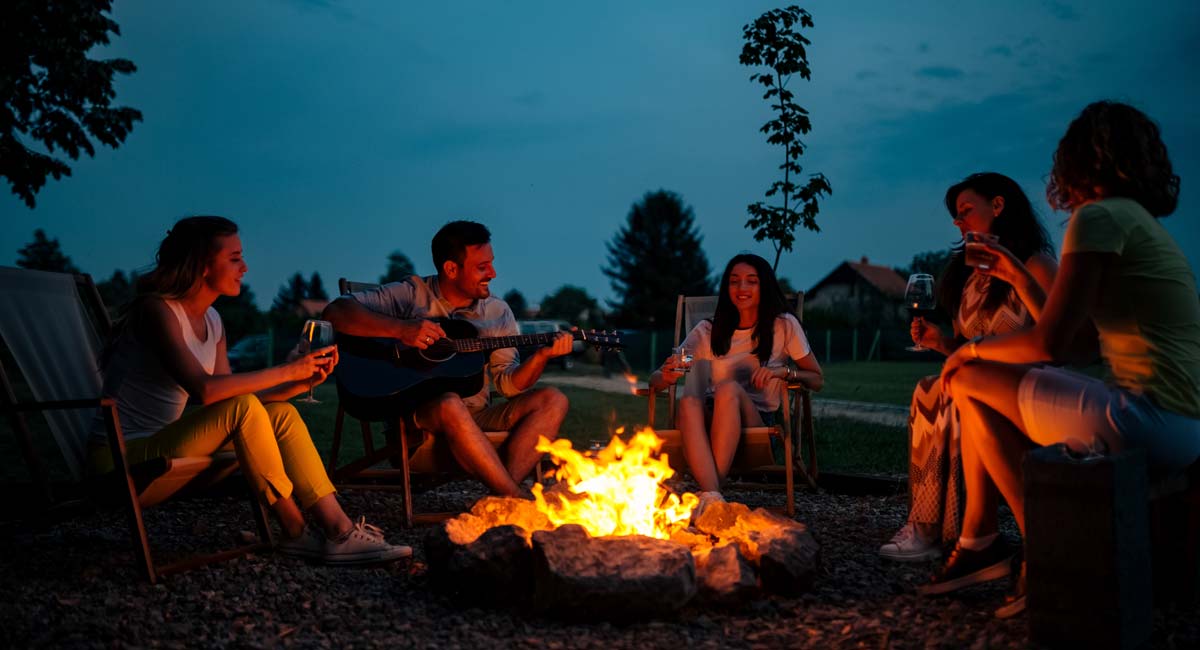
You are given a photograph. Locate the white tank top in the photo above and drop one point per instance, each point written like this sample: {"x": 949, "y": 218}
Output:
{"x": 148, "y": 397}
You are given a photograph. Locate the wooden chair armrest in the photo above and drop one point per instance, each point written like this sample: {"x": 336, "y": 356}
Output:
{"x": 647, "y": 392}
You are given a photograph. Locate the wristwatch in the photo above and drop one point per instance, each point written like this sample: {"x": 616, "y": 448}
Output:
{"x": 974, "y": 351}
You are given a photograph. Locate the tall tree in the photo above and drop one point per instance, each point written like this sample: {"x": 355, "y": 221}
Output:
{"x": 117, "y": 290}
{"x": 774, "y": 40}
{"x": 574, "y": 305}
{"x": 516, "y": 301}
{"x": 654, "y": 257}
{"x": 52, "y": 93}
{"x": 44, "y": 254}
{"x": 931, "y": 262}
{"x": 316, "y": 288}
{"x": 240, "y": 315}
{"x": 290, "y": 294}
{"x": 399, "y": 267}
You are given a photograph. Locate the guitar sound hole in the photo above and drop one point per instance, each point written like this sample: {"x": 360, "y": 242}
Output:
{"x": 440, "y": 351}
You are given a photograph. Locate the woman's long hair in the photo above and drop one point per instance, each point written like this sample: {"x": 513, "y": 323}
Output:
{"x": 1018, "y": 227}
{"x": 1113, "y": 149}
{"x": 183, "y": 255}
{"x": 179, "y": 264}
{"x": 771, "y": 304}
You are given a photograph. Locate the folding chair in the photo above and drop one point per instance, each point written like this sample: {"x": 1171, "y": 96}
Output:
{"x": 754, "y": 450}
{"x": 54, "y": 325}
{"x": 430, "y": 456}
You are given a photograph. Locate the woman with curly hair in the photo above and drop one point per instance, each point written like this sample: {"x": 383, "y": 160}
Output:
{"x": 1123, "y": 274}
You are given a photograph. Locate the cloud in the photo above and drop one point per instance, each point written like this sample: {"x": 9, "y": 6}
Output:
{"x": 1061, "y": 10}
{"x": 940, "y": 72}
{"x": 1000, "y": 50}
{"x": 863, "y": 75}
{"x": 923, "y": 48}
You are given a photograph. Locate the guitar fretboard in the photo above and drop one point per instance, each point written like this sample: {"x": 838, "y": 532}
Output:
{"x": 498, "y": 342}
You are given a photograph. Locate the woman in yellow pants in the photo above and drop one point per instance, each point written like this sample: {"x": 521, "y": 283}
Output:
{"x": 170, "y": 346}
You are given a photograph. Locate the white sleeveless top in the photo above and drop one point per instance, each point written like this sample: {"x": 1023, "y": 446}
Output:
{"x": 148, "y": 397}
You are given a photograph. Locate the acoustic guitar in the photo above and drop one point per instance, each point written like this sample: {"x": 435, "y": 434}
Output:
{"x": 382, "y": 376}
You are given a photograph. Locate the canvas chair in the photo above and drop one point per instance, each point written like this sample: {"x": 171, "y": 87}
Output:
{"x": 754, "y": 451}
{"x": 54, "y": 325}
{"x": 431, "y": 457}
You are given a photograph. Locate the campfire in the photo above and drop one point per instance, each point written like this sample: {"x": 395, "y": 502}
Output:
{"x": 610, "y": 540}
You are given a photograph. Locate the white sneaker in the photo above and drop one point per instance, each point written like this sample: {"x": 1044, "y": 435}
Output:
{"x": 310, "y": 545}
{"x": 363, "y": 544}
{"x": 908, "y": 546}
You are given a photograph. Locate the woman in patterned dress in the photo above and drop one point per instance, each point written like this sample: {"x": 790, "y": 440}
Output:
{"x": 1005, "y": 297}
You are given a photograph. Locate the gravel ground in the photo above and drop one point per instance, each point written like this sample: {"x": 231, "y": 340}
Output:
{"x": 73, "y": 585}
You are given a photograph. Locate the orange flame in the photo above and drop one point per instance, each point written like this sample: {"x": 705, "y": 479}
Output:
{"x": 619, "y": 491}
{"x": 633, "y": 380}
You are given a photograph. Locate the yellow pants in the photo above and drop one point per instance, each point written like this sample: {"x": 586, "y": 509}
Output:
{"x": 272, "y": 443}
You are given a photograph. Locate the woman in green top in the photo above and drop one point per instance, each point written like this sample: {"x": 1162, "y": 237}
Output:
{"x": 1124, "y": 282}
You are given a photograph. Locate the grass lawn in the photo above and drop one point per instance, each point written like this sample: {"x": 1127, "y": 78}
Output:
{"x": 881, "y": 382}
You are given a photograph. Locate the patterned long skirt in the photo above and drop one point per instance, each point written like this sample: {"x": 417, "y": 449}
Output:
{"x": 935, "y": 477}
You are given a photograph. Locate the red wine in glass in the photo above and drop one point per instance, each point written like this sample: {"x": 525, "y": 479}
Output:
{"x": 920, "y": 301}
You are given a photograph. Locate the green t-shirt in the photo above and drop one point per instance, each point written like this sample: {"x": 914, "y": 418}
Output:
{"x": 1148, "y": 311}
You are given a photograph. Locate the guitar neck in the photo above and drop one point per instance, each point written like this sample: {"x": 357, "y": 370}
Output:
{"x": 489, "y": 343}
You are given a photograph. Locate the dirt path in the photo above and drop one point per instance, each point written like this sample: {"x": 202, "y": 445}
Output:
{"x": 883, "y": 414}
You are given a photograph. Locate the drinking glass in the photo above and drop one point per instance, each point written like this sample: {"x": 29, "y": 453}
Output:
{"x": 975, "y": 255}
{"x": 920, "y": 301}
{"x": 315, "y": 334}
{"x": 683, "y": 358}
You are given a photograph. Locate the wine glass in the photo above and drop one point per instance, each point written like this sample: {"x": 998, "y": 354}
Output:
{"x": 315, "y": 334}
{"x": 920, "y": 301}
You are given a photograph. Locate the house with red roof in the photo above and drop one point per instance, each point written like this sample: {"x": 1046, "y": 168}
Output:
{"x": 861, "y": 294}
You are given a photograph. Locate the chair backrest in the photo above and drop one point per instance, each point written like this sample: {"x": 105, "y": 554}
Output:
{"x": 347, "y": 287}
{"x": 54, "y": 324}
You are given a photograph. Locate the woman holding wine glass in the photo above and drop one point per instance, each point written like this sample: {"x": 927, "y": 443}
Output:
{"x": 990, "y": 289}
{"x": 1125, "y": 284}
{"x": 169, "y": 348}
{"x": 745, "y": 348}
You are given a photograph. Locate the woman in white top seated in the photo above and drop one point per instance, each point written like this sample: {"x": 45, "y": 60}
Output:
{"x": 744, "y": 348}
{"x": 170, "y": 346}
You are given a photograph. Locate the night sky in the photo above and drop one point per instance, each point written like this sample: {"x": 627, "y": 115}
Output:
{"x": 335, "y": 132}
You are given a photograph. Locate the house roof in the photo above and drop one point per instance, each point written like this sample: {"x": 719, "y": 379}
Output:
{"x": 311, "y": 308}
{"x": 883, "y": 278}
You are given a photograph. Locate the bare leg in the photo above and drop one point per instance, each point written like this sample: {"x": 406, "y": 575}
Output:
{"x": 449, "y": 416}
{"x": 696, "y": 447}
{"x": 980, "y": 510}
{"x": 539, "y": 412}
{"x": 329, "y": 515}
{"x": 732, "y": 409}
{"x": 993, "y": 431}
{"x": 291, "y": 520}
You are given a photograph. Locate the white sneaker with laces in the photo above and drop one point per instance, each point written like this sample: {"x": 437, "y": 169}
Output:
{"x": 310, "y": 545}
{"x": 908, "y": 546}
{"x": 363, "y": 544}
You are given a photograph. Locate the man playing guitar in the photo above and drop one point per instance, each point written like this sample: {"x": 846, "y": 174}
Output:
{"x": 462, "y": 253}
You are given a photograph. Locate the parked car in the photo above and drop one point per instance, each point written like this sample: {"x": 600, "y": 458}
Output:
{"x": 250, "y": 353}
{"x": 546, "y": 327}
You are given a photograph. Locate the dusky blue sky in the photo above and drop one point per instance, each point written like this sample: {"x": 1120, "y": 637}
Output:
{"x": 335, "y": 132}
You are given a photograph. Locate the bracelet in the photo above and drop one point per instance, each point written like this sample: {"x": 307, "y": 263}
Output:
{"x": 793, "y": 375}
{"x": 973, "y": 348}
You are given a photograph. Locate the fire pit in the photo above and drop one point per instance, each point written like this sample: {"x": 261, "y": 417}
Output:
{"x": 610, "y": 540}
